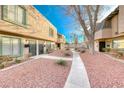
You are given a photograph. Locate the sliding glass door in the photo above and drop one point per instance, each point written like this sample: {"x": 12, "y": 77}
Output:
{"x": 32, "y": 47}
{"x": 16, "y": 46}
{"x": 11, "y": 46}
{"x": 6, "y": 46}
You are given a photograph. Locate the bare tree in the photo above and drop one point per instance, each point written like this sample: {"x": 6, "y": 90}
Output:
{"x": 74, "y": 39}
{"x": 87, "y": 17}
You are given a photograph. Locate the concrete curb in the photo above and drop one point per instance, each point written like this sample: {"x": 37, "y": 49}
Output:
{"x": 52, "y": 57}
{"x": 16, "y": 65}
{"x": 119, "y": 60}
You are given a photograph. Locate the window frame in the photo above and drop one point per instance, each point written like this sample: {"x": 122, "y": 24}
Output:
{"x": 11, "y": 42}
{"x": 16, "y": 16}
{"x": 51, "y": 32}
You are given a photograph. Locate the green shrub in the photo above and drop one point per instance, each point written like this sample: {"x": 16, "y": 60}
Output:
{"x": 67, "y": 54}
{"x": 61, "y": 62}
{"x": 106, "y": 49}
{"x": 75, "y": 48}
{"x": 82, "y": 51}
{"x": 1, "y": 66}
{"x": 30, "y": 55}
{"x": 119, "y": 54}
{"x": 18, "y": 60}
{"x": 67, "y": 48}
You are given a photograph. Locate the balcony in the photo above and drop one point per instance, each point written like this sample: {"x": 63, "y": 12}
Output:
{"x": 60, "y": 40}
{"x": 103, "y": 33}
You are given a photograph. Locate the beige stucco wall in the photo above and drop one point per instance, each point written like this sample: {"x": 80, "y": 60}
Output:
{"x": 37, "y": 27}
{"x": 104, "y": 33}
{"x": 117, "y": 29}
{"x": 114, "y": 25}
{"x": 108, "y": 43}
{"x": 121, "y": 19}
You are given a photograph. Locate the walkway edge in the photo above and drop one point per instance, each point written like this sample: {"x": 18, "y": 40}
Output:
{"x": 52, "y": 57}
{"x": 77, "y": 77}
{"x": 16, "y": 65}
{"x": 119, "y": 60}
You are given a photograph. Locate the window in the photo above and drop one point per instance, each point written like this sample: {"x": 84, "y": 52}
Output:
{"x": 15, "y": 14}
{"x": 10, "y": 46}
{"x": 21, "y": 15}
{"x": 118, "y": 44}
{"x": 16, "y": 46}
{"x": 51, "y": 32}
{"x": 5, "y": 12}
{"x": 6, "y": 46}
{"x": 9, "y": 12}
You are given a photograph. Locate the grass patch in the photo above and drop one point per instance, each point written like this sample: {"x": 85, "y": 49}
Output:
{"x": 61, "y": 62}
{"x": 82, "y": 51}
{"x": 67, "y": 54}
{"x": 18, "y": 61}
{"x": 1, "y": 66}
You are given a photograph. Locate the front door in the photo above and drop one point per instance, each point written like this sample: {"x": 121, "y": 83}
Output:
{"x": 41, "y": 48}
{"x": 101, "y": 46}
{"x": 32, "y": 47}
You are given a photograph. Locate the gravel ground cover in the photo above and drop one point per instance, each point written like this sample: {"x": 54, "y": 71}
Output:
{"x": 39, "y": 73}
{"x": 103, "y": 72}
{"x": 61, "y": 53}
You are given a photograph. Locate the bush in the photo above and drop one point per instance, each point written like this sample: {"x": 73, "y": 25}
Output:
{"x": 6, "y": 58}
{"x": 61, "y": 62}
{"x": 67, "y": 48}
{"x": 106, "y": 49}
{"x": 67, "y": 54}
{"x": 82, "y": 51}
{"x": 30, "y": 55}
{"x": 1, "y": 66}
{"x": 75, "y": 48}
{"x": 119, "y": 54}
{"x": 18, "y": 60}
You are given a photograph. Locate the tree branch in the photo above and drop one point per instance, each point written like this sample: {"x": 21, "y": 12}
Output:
{"x": 96, "y": 17}
{"x": 81, "y": 20}
{"x": 90, "y": 16}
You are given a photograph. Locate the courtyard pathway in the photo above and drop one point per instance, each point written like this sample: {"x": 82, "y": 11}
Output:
{"x": 78, "y": 76}
{"x": 47, "y": 56}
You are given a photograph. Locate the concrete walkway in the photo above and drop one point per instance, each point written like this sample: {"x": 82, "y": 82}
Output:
{"x": 51, "y": 57}
{"x": 78, "y": 76}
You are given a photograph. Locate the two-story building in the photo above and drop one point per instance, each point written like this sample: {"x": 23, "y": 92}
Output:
{"x": 110, "y": 32}
{"x": 23, "y": 31}
{"x": 60, "y": 41}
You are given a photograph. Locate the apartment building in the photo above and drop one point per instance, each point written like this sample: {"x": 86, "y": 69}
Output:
{"x": 60, "y": 41}
{"x": 23, "y": 31}
{"x": 110, "y": 32}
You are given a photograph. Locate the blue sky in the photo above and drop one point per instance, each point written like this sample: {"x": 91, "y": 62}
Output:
{"x": 57, "y": 16}
{"x": 64, "y": 23}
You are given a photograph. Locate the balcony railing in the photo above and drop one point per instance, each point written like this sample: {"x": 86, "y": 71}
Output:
{"x": 104, "y": 33}
{"x": 60, "y": 40}
{"x": 104, "y": 25}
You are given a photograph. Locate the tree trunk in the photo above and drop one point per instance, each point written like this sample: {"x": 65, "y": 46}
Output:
{"x": 91, "y": 46}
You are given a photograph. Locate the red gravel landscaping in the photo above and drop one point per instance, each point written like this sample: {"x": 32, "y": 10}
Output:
{"x": 103, "y": 72}
{"x": 61, "y": 53}
{"x": 41, "y": 73}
